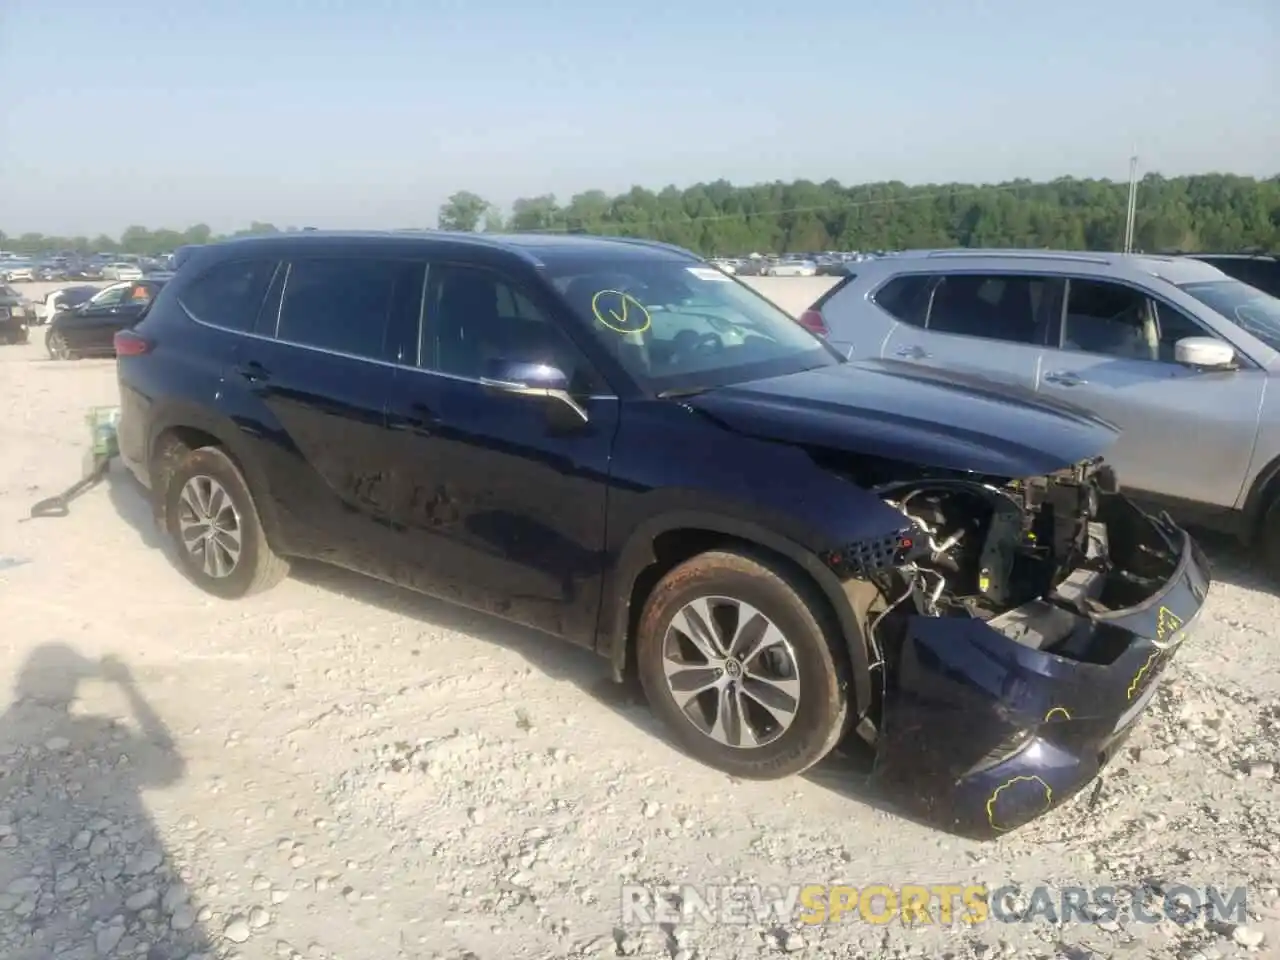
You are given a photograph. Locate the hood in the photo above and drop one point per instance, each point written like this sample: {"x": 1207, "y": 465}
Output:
{"x": 914, "y": 414}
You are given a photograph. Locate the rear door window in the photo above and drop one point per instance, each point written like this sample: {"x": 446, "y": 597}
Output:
{"x": 1014, "y": 308}
{"x": 1006, "y": 307}
{"x": 229, "y": 294}
{"x": 343, "y": 305}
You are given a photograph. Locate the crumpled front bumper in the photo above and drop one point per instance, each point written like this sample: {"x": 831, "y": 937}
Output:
{"x": 980, "y": 734}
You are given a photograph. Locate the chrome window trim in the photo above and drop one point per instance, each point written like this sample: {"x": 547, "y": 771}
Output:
{"x": 394, "y": 365}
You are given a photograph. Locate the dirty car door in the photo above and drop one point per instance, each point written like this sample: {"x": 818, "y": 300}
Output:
{"x": 505, "y": 506}
{"x": 321, "y": 381}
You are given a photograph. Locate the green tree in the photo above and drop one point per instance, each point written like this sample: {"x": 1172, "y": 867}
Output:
{"x": 1201, "y": 212}
{"x": 463, "y": 211}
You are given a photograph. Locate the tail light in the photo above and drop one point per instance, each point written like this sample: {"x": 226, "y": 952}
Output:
{"x": 813, "y": 321}
{"x": 130, "y": 344}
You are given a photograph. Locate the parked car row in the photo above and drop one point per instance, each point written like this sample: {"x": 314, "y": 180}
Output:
{"x": 619, "y": 445}
{"x": 831, "y": 263}
{"x": 71, "y": 266}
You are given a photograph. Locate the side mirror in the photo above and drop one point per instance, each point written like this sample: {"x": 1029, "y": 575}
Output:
{"x": 530, "y": 379}
{"x": 1205, "y": 353}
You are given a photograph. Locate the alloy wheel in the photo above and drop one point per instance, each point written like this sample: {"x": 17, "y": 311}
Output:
{"x": 210, "y": 526}
{"x": 731, "y": 671}
{"x": 58, "y": 347}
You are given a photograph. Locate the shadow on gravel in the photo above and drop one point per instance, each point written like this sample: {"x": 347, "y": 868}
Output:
{"x": 845, "y": 771}
{"x": 132, "y": 502}
{"x": 1232, "y": 562}
{"x": 83, "y": 871}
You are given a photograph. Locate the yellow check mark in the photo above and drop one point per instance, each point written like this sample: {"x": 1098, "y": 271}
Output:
{"x": 621, "y": 320}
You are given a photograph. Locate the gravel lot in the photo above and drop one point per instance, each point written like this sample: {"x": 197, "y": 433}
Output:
{"x": 342, "y": 769}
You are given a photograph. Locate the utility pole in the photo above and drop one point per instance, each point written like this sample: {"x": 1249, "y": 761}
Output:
{"x": 1132, "y": 210}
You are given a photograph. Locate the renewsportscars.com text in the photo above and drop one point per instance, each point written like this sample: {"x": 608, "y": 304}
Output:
{"x": 909, "y": 904}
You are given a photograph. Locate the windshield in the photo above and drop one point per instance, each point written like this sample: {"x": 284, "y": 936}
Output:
{"x": 76, "y": 295}
{"x": 9, "y": 292}
{"x": 1248, "y": 307}
{"x": 108, "y": 294}
{"x": 680, "y": 325}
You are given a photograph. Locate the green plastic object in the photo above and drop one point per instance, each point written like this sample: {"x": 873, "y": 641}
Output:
{"x": 102, "y": 425}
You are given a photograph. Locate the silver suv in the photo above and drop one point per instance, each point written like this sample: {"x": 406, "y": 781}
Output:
{"x": 1181, "y": 356}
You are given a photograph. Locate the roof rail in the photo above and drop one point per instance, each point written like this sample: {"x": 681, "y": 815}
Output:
{"x": 1246, "y": 253}
{"x": 656, "y": 244}
{"x": 1021, "y": 255}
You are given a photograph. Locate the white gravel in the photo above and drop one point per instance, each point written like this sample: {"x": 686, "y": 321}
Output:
{"x": 357, "y": 772}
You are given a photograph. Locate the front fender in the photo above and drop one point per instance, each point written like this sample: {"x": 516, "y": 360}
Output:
{"x": 638, "y": 554}
{"x": 713, "y": 480}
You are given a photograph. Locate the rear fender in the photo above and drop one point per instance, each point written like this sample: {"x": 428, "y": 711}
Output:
{"x": 180, "y": 414}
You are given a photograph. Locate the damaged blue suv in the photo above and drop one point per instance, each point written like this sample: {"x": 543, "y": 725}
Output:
{"x": 613, "y": 442}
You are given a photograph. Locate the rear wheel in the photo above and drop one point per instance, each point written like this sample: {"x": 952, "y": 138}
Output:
{"x": 56, "y": 344}
{"x": 213, "y": 522}
{"x": 738, "y": 657}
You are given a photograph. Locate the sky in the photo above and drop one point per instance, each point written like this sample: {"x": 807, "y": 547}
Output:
{"x": 336, "y": 113}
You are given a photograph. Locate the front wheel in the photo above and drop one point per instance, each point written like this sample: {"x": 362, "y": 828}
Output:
{"x": 56, "y": 344}
{"x": 210, "y": 515}
{"x": 738, "y": 657}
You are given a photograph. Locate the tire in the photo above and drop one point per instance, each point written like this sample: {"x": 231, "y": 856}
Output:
{"x": 56, "y": 344}
{"x": 257, "y": 567}
{"x": 722, "y": 579}
{"x": 1270, "y": 539}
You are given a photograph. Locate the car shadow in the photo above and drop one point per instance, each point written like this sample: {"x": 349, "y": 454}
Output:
{"x": 133, "y": 503}
{"x": 84, "y": 872}
{"x": 846, "y": 771}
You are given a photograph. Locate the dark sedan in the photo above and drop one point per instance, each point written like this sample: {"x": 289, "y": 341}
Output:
{"x": 15, "y": 315}
{"x": 88, "y": 329}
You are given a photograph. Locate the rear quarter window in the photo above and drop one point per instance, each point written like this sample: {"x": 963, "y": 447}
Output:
{"x": 229, "y": 294}
{"x": 906, "y": 298}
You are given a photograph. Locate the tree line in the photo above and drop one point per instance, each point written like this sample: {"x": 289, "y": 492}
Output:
{"x": 1203, "y": 212}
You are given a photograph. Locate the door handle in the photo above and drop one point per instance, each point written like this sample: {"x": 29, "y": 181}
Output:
{"x": 912, "y": 352}
{"x": 1065, "y": 378}
{"x": 253, "y": 371}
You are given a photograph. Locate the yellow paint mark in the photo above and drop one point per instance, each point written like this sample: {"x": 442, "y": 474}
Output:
{"x": 1066, "y": 714}
{"x": 628, "y": 315}
{"x": 1142, "y": 672}
{"x": 1167, "y": 623}
{"x": 991, "y": 804}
